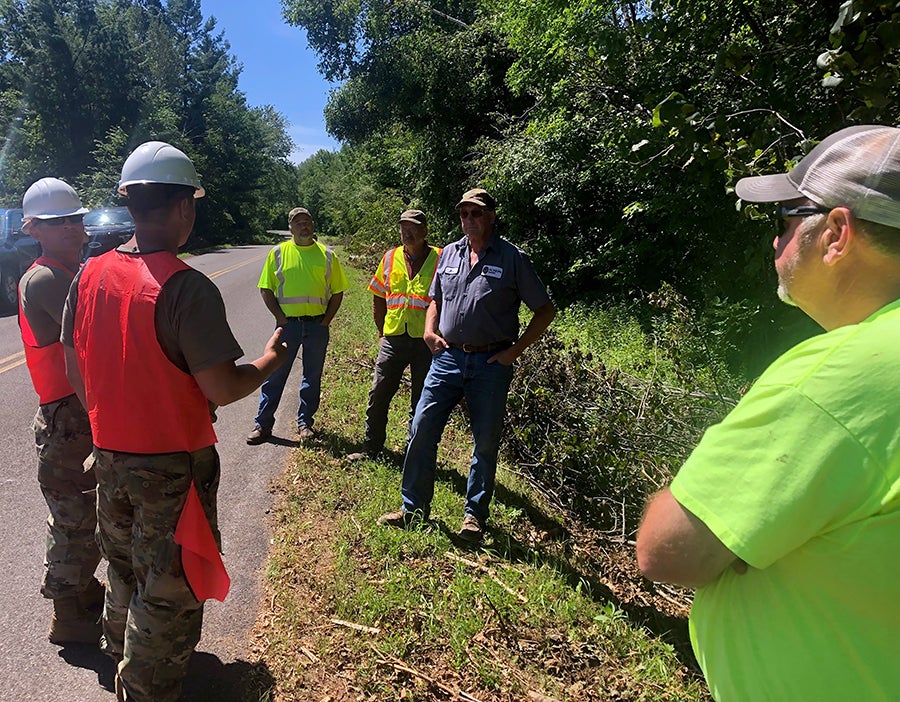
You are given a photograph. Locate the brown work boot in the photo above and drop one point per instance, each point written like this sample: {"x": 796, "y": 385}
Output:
{"x": 91, "y": 598}
{"x": 259, "y": 435}
{"x": 401, "y": 519}
{"x": 71, "y": 623}
{"x": 472, "y": 529}
{"x": 305, "y": 433}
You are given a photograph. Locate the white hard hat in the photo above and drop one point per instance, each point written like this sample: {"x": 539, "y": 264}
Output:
{"x": 159, "y": 162}
{"x": 49, "y": 198}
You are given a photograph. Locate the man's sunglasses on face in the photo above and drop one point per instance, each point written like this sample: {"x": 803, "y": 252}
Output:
{"x": 59, "y": 221}
{"x": 800, "y": 211}
{"x": 473, "y": 214}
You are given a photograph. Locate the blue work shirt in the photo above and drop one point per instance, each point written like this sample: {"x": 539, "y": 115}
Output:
{"x": 480, "y": 305}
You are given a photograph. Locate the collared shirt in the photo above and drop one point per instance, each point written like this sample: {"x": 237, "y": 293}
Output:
{"x": 480, "y": 305}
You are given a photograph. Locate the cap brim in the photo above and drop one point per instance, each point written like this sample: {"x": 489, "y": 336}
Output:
{"x": 767, "y": 188}
{"x": 61, "y": 213}
{"x": 199, "y": 190}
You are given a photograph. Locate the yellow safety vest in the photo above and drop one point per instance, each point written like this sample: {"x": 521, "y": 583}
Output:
{"x": 303, "y": 274}
{"x": 407, "y": 300}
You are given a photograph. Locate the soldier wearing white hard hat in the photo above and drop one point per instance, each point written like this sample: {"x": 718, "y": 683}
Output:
{"x": 53, "y": 215}
{"x": 150, "y": 352}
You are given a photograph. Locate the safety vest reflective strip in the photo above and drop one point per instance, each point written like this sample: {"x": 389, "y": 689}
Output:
{"x": 301, "y": 300}
{"x": 401, "y": 300}
{"x": 378, "y": 286}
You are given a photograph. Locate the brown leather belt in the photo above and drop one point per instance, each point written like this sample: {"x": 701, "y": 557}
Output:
{"x": 470, "y": 348}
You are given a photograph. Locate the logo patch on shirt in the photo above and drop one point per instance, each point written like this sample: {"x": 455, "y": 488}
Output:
{"x": 492, "y": 271}
{"x": 451, "y": 271}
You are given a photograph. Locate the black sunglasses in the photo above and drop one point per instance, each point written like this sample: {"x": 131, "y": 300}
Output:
{"x": 59, "y": 221}
{"x": 801, "y": 211}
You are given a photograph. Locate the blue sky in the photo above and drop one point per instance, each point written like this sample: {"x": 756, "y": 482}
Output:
{"x": 278, "y": 68}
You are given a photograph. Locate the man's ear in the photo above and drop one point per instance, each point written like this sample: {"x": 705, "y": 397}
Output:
{"x": 839, "y": 235}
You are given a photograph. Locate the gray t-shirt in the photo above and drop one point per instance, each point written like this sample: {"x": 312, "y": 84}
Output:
{"x": 480, "y": 305}
{"x": 191, "y": 326}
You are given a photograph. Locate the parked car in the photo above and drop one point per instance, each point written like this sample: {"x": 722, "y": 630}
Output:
{"x": 17, "y": 252}
{"x": 106, "y": 229}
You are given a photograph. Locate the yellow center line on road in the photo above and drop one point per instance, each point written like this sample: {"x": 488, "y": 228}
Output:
{"x": 10, "y": 362}
{"x": 213, "y": 276}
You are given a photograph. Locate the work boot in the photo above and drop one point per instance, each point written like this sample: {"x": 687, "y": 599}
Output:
{"x": 367, "y": 452}
{"x": 71, "y": 623}
{"x": 472, "y": 529}
{"x": 401, "y": 519}
{"x": 91, "y": 598}
{"x": 304, "y": 432}
{"x": 259, "y": 435}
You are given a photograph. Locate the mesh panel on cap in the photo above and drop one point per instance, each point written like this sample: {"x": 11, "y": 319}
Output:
{"x": 861, "y": 172}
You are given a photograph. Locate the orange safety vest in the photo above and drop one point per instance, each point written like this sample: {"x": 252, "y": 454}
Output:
{"x": 138, "y": 401}
{"x": 407, "y": 300}
{"x": 46, "y": 364}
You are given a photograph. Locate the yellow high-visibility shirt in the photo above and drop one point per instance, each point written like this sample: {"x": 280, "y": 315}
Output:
{"x": 303, "y": 278}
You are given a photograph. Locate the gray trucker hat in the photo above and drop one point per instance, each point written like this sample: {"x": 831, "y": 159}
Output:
{"x": 857, "y": 167}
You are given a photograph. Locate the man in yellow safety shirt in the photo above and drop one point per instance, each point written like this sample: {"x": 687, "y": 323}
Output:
{"x": 399, "y": 302}
{"x": 302, "y": 284}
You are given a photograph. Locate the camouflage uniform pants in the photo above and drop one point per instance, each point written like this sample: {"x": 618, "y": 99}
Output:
{"x": 151, "y": 621}
{"x": 62, "y": 437}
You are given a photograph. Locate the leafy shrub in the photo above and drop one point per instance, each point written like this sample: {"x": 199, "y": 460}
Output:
{"x": 602, "y": 412}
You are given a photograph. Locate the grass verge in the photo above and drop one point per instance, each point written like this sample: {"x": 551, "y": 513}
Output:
{"x": 361, "y": 612}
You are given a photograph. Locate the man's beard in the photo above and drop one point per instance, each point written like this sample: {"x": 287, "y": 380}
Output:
{"x": 785, "y": 296}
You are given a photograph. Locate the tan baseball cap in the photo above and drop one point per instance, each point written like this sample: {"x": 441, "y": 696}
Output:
{"x": 297, "y": 211}
{"x": 414, "y": 216}
{"x": 478, "y": 196}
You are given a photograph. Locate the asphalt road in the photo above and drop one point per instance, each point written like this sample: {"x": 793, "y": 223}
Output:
{"x": 32, "y": 669}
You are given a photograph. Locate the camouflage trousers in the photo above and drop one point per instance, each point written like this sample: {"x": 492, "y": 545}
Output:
{"x": 62, "y": 438}
{"x": 151, "y": 619}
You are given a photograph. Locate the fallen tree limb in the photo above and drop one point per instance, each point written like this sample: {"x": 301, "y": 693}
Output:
{"x": 490, "y": 573}
{"x": 397, "y": 664}
{"x": 356, "y": 627}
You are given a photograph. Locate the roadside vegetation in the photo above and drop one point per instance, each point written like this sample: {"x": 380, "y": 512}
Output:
{"x": 549, "y": 608}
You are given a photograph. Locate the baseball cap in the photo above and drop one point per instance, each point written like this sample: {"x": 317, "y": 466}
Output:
{"x": 857, "y": 167}
{"x": 414, "y": 216}
{"x": 478, "y": 196}
{"x": 296, "y": 211}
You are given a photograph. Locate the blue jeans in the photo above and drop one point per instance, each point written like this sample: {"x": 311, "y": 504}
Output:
{"x": 454, "y": 375}
{"x": 309, "y": 334}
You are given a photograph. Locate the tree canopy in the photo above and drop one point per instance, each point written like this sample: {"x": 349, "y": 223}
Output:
{"x": 83, "y": 82}
{"x": 612, "y": 133}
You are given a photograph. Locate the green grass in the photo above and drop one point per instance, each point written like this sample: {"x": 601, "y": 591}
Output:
{"x": 497, "y": 622}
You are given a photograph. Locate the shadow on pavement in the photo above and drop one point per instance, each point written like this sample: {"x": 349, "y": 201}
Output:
{"x": 210, "y": 679}
{"x": 207, "y": 679}
{"x": 91, "y": 658}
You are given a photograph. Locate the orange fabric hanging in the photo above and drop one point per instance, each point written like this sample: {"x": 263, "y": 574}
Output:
{"x": 203, "y": 567}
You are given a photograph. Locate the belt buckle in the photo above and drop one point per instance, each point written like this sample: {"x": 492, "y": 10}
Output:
{"x": 468, "y": 348}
